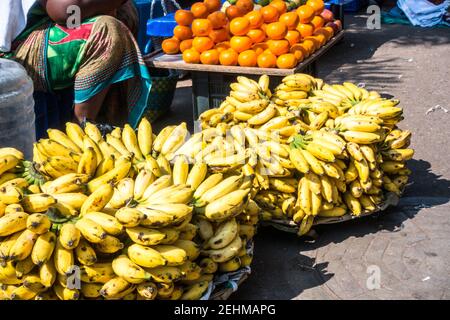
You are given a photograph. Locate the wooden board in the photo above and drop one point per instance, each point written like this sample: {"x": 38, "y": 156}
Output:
{"x": 164, "y": 61}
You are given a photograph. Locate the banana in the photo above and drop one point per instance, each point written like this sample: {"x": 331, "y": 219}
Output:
{"x": 146, "y": 256}
{"x": 145, "y": 236}
{"x": 130, "y": 141}
{"x": 109, "y": 245}
{"x": 143, "y": 180}
{"x": 17, "y": 182}
{"x": 6, "y": 151}
{"x": 98, "y": 199}
{"x": 231, "y": 265}
{"x": 355, "y": 151}
{"x": 313, "y": 162}
{"x": 129, "y": 217}
{"x": 398, "y": 154}
{"x": 75, "y": 134}
{"x": 43, "y": 248}
{"x": 119, "y": 172}
{"x": 225, "y": 233}
{"x": 69, "y": 236}
{"x": 97, "y": 273}
{"x": 117, "y": 144}
{"x": 205, "y": 229}
{"x": 263, "y": 116}
{"x": 352, "y": 203}
{"x": 23, "y": 246}
{"x": 107, "y": 150}
{"x": 116, "y": 288}
{"x": 91, "y": 290}
{"x": 305, "y": 225}
{"x": 298, "y": 160}
{"x": 72, "y": 182}
{"x": 161, "y": 138}
{"x": 175, "y": 139}
{"x": 127, "y": 269}
{"x": 88, "y": 162}
{"x": 48, "y": 273}
{"x": 147, "y": 290}
{"x": 155, "y": 218}
{"x": 85, "y": 253}
{"x": 173, "y": 255}
{"x": 304, "y": 196}
{"x": 227, "y": 206}
{"x": 92, "y": 132}
{"x": 13, "y": 223}
{"x": 74, "y": 200}
{"x": 62, "y": 138}
{"x": 180, "y": 170}
{"x": 37, "y": 202}
{"x": 226, "y": 253}
{"x": 63, "y": 258}
{"x": 66, "y": 293}
{"x": 165, "y": 274}
{"x": 92, "y": 231}
{"x": 107, "y": 222}
{"x": 363, "y": 170}
{"x": 23, "y": 293}
{"x": 334, "y": 212}
{"x": 11, "y": 195}
{"x": 361, "y": 137}
{"x": 197, "y": 175}
{"x": 219, "y": 190}
{"x": 249, "y": 84}
{"x": 164, "y": 165}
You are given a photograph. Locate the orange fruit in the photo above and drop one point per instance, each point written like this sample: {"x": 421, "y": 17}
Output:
{"x": 240, "y": 43}
{"x": 267, "y": 60}
{"x": 191, "y": 56}
{"x": 280, "y": 5}
{"x": 324, "y": 31}
{"x": 185, "y": 44}
{"x": 199, "y": 10}
{"x": 286, "y": 61}
{"x": 222, "y": 46}
{"x": 228, "y": 57}
{"x": 239, "y": 26}
{"x": 293, "y": 36}
{"x": 317, "y": 5}
{"x": 247, "y": 58}
{"x": 316, "y": 42}
{"x": 201, "y": 27}
{"x": 276, "y": 30}
{"x": 270, "y": 14}
{"x": 260, "y": 47}
{"x": 255, "y": 18}
{"x": 278, "y": 47}
{"x": 321, "y": 39}
{"x": 182, "y": 32}
{"x": 209, "y": 57}
{"x": 318, "y": 22}
{"x": 305, "y": 13}
{"x": 263, "y": 27}
{"x": 233, "y": 12}
{"x": 219, "y": 35}
{"x": 218, "y": 19}
{"x": 290, "y": 19}
{"x": 305, "y": 29}
{"x": 309, "y": 46}
{"x": 171, "y": 45}
{"x": 257, "y": 35}
{"x": 212, "y": 5}
{"x": 184, "y": 17}
{"x": 202, "y": 44}
{"x": 299, "y": 52}
{"x": 245, "y": 5}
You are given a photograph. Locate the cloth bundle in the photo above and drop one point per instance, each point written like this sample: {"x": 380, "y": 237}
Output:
{"x": 422, "y": 12}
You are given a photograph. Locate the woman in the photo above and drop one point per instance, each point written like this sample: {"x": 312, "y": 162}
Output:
{"x": 99, "y": 58}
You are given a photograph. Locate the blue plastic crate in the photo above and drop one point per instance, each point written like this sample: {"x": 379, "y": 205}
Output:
{"x": 349, "y": 5}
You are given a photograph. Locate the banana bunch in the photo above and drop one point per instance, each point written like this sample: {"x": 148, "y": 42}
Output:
{"x": 294, "y": 90}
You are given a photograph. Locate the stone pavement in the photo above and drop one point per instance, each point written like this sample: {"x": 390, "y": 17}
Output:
{"x": 408, "y": 244}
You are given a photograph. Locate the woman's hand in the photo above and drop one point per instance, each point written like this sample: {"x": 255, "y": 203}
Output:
{"x": 57, "y": 9}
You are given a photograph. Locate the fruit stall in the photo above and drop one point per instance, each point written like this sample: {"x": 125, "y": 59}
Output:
{"x": 218, "y": 42}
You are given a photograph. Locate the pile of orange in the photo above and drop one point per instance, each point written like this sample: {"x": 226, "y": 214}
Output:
{"x": 270, "y": 37}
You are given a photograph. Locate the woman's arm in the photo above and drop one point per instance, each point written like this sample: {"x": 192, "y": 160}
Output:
{"x": 57, "y": 9}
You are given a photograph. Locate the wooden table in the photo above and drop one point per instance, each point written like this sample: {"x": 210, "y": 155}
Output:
{"x": 210, "y": 83}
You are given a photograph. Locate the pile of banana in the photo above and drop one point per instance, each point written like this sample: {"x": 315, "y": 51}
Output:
{"x": 114, "y": 218}
{"x": 316, "y": 150}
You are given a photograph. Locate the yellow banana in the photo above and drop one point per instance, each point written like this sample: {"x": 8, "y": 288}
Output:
{"x": 85, "y": 253}
{"x": 43, "y": 248}
{"x": 127, "y": 269}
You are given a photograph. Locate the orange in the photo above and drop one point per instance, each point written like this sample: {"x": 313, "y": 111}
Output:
{"x": 318, "y": 22}
{"x": 255, "y": 18}
{"x": 245, "y": 5}
{"x": 280, "y": 5}
{"x": 326, "y": 31}
{"x": 276, "y": 30}
{"x": 305, "y": 29}
{"x": 218, "y": 19}
{"x": 202, "y": 44}
{"x": 247, "y": 58}
{"x": 267, "y": 60}
{"x": 182, "y": 32}
{"x": 309, "y": 45}
{"x": 270, "y": 14}
{"x": 228, "y": 57}
{"x": 184, "y": 17}
{"x": 212, "y": 5}
{"x": 240, "y": 43}
{"x": 171, "y": 45}
{"x": 299, "y": 52}
{"x": 239, "y": 26}
{"x": 222, "y": 46}
{"x": 290, "y": 19}
{"x": 263, "y": 27}
{"x": 199, "y": 10}
{"x": 305, "y": 13}
{"x": 260, "y": 47}
{"x": 257, "y": 35}
{"x": 293, "y": 36}
{"x": 185, "y": 44}
{"x": 219, "y": 35}
{"x": 278, "y": 47}
{"x": 191, "y": 56}
{"x": 320, "y": 38}
{"x": 315, "y": 42}
{"x": 233, "y": 12}
{"x": 201, "y": 27}
{"x": 317, "y": 5}
{"x": 209, "y": 57}
{"x": 286, "y": 61}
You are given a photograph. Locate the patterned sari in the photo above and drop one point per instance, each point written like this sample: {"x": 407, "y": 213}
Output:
{"x": 101, "y": 53}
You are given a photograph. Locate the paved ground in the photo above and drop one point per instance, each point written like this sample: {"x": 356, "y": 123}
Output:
{"x": 407, "y": 244}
